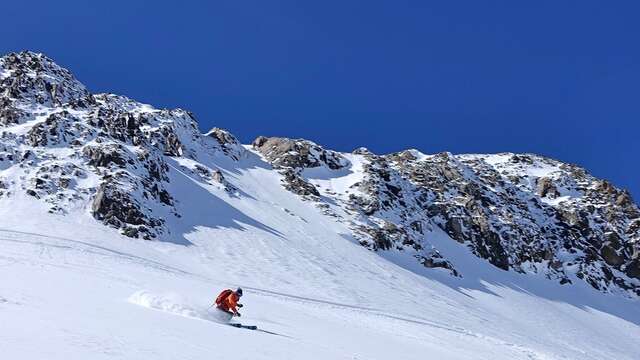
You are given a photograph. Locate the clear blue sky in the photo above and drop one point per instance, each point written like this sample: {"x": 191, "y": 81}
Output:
{"x": 559, "y": 78}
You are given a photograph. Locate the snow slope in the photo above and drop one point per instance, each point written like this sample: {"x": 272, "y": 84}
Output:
{"x": 72, "y": 288}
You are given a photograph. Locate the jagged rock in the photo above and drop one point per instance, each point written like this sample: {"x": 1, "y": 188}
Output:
{"x": 104, "y": 155}
{"x": 295, "y": 155}
{"x": 217, "y": 176}
{"x": 173, "y": 147}
{"x": 405, "y": 156}
{"x": 522, "y": 159}
{"x": 546, "y": 188}
{"x": 10, "y": 115}
{"x": 103, "y": 135}
{"x": 613, "y": 240}
{"x": 605, "y": 187}
{"x": 610, "y": 255}
{"x": 362, "y": 151}
{"x": 229, "y": 144}
{"x": 297, "y": 185}
{"x": 118, "y": 209}
{"x": 283, "y": 152}
{"x": 37, "y": 79}
{"x": 53, "y": 131}
{"x": 633, "y": 269}
{"x": 130, "y": 231}
{"x": 574, "y": 218}
{"x": 455, "y": 228}
{"x": 165, "y": 198}
{"x": 381, "y": 240}
{"x": 624, "y": 199}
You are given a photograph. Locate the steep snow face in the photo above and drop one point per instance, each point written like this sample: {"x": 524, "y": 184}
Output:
{"x": 341, "y": 256}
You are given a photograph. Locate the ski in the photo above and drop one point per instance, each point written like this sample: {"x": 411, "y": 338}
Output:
{"x": 240, "y": 326}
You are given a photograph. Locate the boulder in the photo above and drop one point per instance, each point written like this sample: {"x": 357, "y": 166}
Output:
{"x": 610, "y": 256}
{"x": 633, "y": 269}
{"x": 455, "y": 228}
{"x": 104, "y": 155}
{"x": 546, "y": 188}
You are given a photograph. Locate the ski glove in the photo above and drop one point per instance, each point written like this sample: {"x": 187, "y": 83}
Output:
{"x": 239, "y": 305}
{"x": 238, "y": 314}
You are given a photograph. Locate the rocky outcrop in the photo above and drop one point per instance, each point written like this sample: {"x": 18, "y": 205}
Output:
{"x": 10, "y": 115}
{"x": 297, "y": 185}
{"x": 228, "y": 143}
{"x": 31, "y": 79}
{"x": 104, "y": 156}
{"x": 297, "y": 154}
{"x": 291, "y": 157}
{"x": 117, "y": 208}
{"x": 546, "y": 188}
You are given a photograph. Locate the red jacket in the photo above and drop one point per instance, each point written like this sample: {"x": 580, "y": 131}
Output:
{"x": 228, "y": 302}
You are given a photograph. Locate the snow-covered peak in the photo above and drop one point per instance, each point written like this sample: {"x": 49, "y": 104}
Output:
{"x": 33, "y": 78}
{"x": 227, "y": 142}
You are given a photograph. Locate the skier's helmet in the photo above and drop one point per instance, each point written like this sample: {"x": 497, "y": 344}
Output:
{"x": 239, "y": 291}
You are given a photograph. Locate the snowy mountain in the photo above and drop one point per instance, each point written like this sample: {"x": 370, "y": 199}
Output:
{"x": 343, "y": 255}
{"x": 521, "y": 212}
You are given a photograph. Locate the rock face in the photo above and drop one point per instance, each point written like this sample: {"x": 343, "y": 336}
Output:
{"x": 559, "y": 221}
{"x": 292, "y": 156}
{"x": 227, "y": 142}
{"x": 115, "y": 158}
{"x": 35, "y": 79}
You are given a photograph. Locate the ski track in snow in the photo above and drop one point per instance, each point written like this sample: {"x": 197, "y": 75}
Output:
{"x": 170, "y": 303}
{"x": 174, "y": 304}
{"x": 163, "y": 303}
{"x": 85, "y": 247}
{"x": 166, "y": 304}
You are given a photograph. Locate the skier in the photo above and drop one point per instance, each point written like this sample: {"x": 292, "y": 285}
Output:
{"x": 227, "y": 303}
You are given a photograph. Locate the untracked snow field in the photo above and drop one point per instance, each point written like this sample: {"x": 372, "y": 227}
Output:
{"x": 71, "y": 288}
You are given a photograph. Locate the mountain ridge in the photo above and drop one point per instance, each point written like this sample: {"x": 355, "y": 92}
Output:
{"x": 113, "y": 157}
